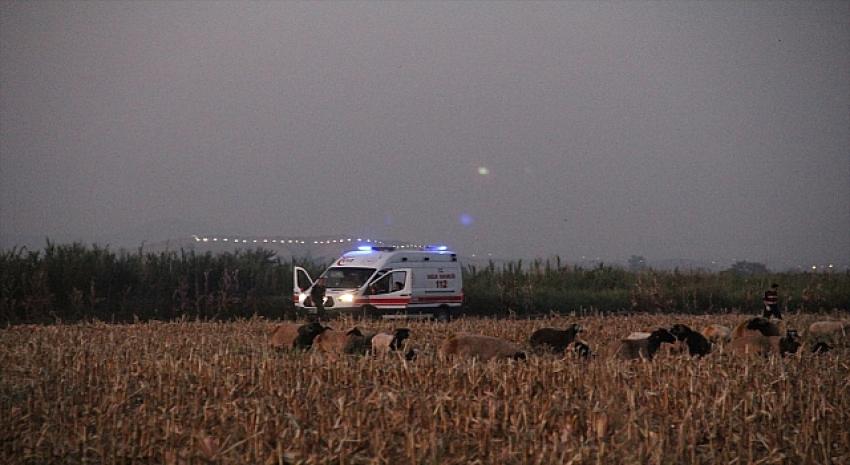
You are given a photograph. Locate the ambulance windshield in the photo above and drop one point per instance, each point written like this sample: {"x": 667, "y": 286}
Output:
{"x": 347, "y": 278}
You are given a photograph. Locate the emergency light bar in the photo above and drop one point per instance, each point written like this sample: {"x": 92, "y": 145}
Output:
{"x": 390, "y": 248}
{"x": 375, "y": 248}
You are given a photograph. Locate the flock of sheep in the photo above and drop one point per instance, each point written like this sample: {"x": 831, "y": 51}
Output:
{"x": 327, "y": 340}
{"x": 752, "y": 336}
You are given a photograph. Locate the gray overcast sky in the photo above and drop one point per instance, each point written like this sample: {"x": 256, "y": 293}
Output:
{"x": 667, "y": 129}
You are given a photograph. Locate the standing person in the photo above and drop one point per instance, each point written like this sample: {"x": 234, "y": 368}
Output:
{"x": 317, "y": 294}
{"x": 771, "y": 302}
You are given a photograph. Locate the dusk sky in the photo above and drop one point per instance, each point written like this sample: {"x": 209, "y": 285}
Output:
{"x": 703, "y": 130}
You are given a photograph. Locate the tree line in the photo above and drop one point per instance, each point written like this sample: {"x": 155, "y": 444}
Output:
{"x": 75, "y": 282}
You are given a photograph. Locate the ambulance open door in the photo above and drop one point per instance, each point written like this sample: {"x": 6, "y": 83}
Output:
{"x": 301, "y": 282}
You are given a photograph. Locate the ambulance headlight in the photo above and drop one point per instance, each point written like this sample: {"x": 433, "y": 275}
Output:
{"x": 301, "y": 298}
{"x": 346, "y": 298}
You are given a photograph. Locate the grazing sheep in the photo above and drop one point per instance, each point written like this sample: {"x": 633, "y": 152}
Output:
{"x": 294, "y": 336}
{"x": 829, "y": 330}
{"x": 382, "y": 343}
{"x": 717, "y": 334}
{"x": 755, "y": 326}
{"x": 676, "y": 348}
{"x": 630, "y": 349}
{"x": 361, "y": 345}
{"x": 755, "y": 343}
{"x": 482, "y": 347}
{"x": 411, "y": 354}
{"x": 751, "y": 344}
{"x": 340, "y": 342}
{"x": 555, "y": 340}
{"x": 789, "y": 344}
{"x": 698, "y": 345}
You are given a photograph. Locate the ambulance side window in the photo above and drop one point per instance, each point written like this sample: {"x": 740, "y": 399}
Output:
{"x": 381, "y": 285}
{"x": 399, "y": 279}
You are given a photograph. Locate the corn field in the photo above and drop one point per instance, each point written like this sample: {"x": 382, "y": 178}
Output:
{"x": 214, "y": 392}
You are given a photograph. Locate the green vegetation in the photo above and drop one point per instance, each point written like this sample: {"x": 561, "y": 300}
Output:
{"x": 73, "y": 282}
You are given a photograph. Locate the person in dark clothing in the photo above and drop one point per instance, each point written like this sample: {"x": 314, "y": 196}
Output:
{"x": 771, "y": 302}
{"x": 317, "y": 294}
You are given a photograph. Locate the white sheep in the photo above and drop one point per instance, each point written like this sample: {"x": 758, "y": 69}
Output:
{"x": 382, "y": 343}
{"x": 832, "y": 331}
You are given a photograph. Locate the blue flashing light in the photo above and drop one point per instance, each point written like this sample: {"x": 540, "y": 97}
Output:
{"x": 440, "y": 248}
{"x": 357, "y": 253}
{"x": 365, "y": 248}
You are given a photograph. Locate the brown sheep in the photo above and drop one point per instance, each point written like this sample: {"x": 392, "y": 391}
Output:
{"x": 631, "y": 349}
{"x": 829, "y": 330}
{"x": 765, "y": 345}
{"x": 717, "y": 334}
{"x": 340, "y": 342}
{"x": 755, "y": 326}
{"x": 551, "y": 339}
{"x": 295, "y": 336}
{"x": 483, "y": 348}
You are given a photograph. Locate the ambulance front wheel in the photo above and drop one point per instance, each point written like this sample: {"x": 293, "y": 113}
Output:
{"x": 443, "y": 314}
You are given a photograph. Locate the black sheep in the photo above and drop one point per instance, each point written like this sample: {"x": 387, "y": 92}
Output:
{"x": 698, "y": 345}
{"x": 756, "y": 325}
{"x": 581, "y": 349}
{"x": 554, "y": 339}
{"x": 821, "y": 348}
{"x": 399, "y": 336}
{"x": 790, "y": 343}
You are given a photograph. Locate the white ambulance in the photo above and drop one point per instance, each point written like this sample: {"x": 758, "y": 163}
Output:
{"x": 387, "y": 281}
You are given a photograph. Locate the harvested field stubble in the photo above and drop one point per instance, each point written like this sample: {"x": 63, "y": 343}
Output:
{"x": 215, "y": 392}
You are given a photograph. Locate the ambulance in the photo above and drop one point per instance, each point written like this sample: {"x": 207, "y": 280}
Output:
{"x": 387, "y": 282}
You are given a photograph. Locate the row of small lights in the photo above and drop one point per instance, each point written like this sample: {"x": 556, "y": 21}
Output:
{"x": 299, "y": 241}
{"x": 342, "y": 241}
{"x": 830, "y": 266}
